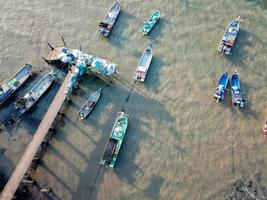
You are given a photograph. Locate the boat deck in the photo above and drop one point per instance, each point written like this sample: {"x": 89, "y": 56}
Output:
{"x": 37, "y": 140}
{"x": 53, "y": 55}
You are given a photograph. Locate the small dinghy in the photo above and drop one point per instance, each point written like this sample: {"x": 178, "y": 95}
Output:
{"x": 106, "y": 25}
{"x": 89, "y": 104}
{"x": 143, "y": 66}
{"x": 229, "y": 37}
{"x": 237, "y": 99}
{"x": 30, "y": 98}
{"x": 150, "y": 23}
{"x": 13, "y": 84}
{"x": 221, "y": 87}
{"x": 115, "y": 140}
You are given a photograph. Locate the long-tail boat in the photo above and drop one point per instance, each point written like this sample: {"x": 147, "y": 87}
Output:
{"x": 89, "y": 104}
{"x": 143, "y": 66}
{"x": 221, "y": 87}
{"x": 13, "y": 84}
{"x": 30, "y": 98}
{"x": 115, "y": 140}
{"x": 237, "y": 99}
{"x": 150, "y": 23}
{"x": 229, "y": 37}
{"x": 106, "y": 25}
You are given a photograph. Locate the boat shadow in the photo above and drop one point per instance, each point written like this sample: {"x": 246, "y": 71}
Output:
{"x": 112, "y": 101}
{"x": 31, "y": 123}
{"x": 116, "y": 37}
{"x": 261, "y": 3}
{"x": 153, "y": 76}
{"x": 153, "y": 189}
{"x": 157, "y": 31}
{"x": 22, "y": 90}
{"x": 125, "y": 168}
{"x": 239, "y": 54}
{"x": 6, "y": 166}
{"x": 93, "y": 175}
{"x": 32, "y": 118}
{"x": 247, "y": 111}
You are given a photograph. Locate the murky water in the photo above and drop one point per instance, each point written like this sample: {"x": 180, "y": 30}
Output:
{"x": 180, "y": 143}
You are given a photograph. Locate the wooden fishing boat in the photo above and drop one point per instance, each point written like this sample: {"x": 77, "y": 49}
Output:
{"x": 13, "y": 84}
{"x": 115, "y": 140}
{"x": 150, "y": 23}
{"x": 229, "y": 37}
{"x": 143, "y": 66}
{"x": 89, "y": 104}
{"x": 237, "y": 99}
{"x": 106, "y": 25}
{"x": 221, "y": 87}
{"x": 30, "y": 98}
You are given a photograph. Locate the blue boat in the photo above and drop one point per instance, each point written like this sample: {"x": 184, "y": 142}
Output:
{"x": 237, "y": 99}
{"x": 221, "y": 87}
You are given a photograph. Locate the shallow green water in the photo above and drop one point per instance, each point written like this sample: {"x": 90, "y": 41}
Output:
{"x": 180, "y": 143}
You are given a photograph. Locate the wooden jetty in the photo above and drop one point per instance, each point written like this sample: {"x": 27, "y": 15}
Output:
{"x": 37, "y": 140}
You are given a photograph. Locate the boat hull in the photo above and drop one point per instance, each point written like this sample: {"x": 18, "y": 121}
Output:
{"x": 150, "y": 23}
{"x": 221, "y": 87}
{"x": 115, "y": 140}
{"x": 13, "y": 84}
{"x": 26, "y": 102}
{"x": 107, "y": 24}
{"x": 143, "y": 66}
{"x": 227, "y": 42}
{"x": 89, "y": 104}
{"x": 236, "y": 96}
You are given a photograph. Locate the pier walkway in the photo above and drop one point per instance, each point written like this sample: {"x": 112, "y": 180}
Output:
{"x": 37, "y": 140}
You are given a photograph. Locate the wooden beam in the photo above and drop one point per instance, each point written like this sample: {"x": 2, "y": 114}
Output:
{"x": 26, "y": 159}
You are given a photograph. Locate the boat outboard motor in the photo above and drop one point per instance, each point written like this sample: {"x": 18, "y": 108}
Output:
{"x": 242, "y": 103}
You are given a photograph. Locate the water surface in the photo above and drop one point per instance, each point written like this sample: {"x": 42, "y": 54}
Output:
{"x": 180, "y": 143}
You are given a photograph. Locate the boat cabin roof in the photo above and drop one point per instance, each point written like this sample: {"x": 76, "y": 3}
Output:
{"x": 142, "y": 69}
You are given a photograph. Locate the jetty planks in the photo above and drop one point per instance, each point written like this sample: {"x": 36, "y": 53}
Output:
{"x": 37, "y": 140}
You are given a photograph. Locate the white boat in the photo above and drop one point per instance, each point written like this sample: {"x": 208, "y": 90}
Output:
{"x": 143, "y": 66}
{"x": 229, "y": 37}
{"x": 107, "y": 24}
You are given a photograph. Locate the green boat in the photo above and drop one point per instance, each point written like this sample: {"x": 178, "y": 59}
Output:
{"x": 115, "y": 140}
{"x": 149, "y": 24}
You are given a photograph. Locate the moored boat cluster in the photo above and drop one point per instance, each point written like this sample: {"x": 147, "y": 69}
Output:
{"x": 80, "y": 63}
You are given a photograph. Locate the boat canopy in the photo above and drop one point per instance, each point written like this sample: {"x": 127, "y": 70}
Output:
{"x": 235, "y": 87}
{"x": 83, "y": 62}
{"x": 142, "y": 69}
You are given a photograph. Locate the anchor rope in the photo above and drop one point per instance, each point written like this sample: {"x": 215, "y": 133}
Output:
{"x": 93, "y": 184}
{"x": 129, "y": 95}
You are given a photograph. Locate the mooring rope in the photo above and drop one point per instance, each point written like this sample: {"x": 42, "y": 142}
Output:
{"x": 98, "y": 171}
{"x": 128, "y": 97}
{"x": 93, "y": 184}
